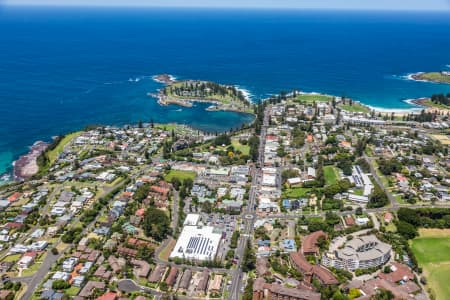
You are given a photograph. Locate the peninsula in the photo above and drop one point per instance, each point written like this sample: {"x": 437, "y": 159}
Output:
{"x": 437, "y": 77}
{"x": 185, "y": 92}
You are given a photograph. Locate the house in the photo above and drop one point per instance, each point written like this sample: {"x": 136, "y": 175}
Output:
{"x": 289, "y": 245}
{"x": 4, "y": 204}
{"x": 26, "y": 260}
{"x": 203, "y": 282}
{"x": 216, "y": 284}
{"x": 349, "y": 221}
{"x": 399, "y": 272}
{"x": 108, "y": 296}
{"x": 14, "y": 197}
{"x": 286, "y": 204}
{"x": 141, "y": 268}
{"x": 185, "y": 281}
{"x": 296, "y": 181}
{"x": 311, "y": 174}
{"x": 361, "y": 221}
{"x": 388, "y": 217}
{"x": 103, "y": 273}
{"x": 157, "y": 274}
{"x": 263, "y": 290}
{"x": 69, "y": 264}
{"x": 172, "y": 277}
{"x": 90, "y": 286}
{"x": 116, "y": 264}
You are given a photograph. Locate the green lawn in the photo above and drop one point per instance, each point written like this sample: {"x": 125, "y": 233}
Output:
{"x": 310, "y": 98}
{"x": 245, "y": 149}
{"x": 72, "y": 291}
{"x": 437, "y": 105}
{"x": 433, "y": 254}
{"x": 296, "y": 192}
{"x": 181, "y": 175}
{"x": 53, "y": 154}
{"x": 32, "y": 269}
{"x": 12, "y": 258}
{"x": 331, "y": 174}
{"x": 355, "y": 107}
{"x": 391, "y": 227}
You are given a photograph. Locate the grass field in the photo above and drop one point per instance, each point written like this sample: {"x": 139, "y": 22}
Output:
{"x": 245, "y": 149}
{"x": 12, "y": 258}
{"x": 443, "y": 139}
{"x": 310, "y": 98}
{"x": 53, "y": 154}
{"x": 355, "y": 107}
{"x": 432, "y": 250}
{"x": 165, "y": 253}
{"x": 181, "y": 175}
{"x": 331, "y": 174}
{"x": 295, "y": 192}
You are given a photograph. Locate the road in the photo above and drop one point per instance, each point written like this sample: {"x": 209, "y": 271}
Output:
{"x": 377, "y": 178}
{"x": 248, "y": 215}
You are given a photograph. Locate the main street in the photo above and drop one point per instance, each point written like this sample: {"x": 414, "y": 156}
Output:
{"x": 248, "y": 215}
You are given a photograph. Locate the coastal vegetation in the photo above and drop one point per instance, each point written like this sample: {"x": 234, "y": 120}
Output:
{"x": 441, "y": 100}
{"x": 49, "y": 156}
{"x": 223, "y": 97}
{"x": 439, "y": 77}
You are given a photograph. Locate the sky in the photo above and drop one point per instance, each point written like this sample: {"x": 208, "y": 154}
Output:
{"x": 282, "y": 4}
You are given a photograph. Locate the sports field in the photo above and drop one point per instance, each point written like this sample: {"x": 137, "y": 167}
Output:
{"x": 331, "y": 174}
{"x": 432, "y": 250}
{"x": 181, "y": 175}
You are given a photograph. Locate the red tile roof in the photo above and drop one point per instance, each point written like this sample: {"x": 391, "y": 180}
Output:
{"x": 309, "y": 243}
{"x": 14, "y": 197}
{"x": 108, "y": 296}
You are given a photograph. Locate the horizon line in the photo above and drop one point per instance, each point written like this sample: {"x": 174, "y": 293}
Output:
{"x": 52, "y": 5}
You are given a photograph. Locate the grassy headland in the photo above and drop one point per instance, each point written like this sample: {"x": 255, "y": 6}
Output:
{"x": 439, "y": 77}
{"x": 222, "y": 97}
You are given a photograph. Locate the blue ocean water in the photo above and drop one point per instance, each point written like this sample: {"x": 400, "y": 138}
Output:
{"x": 64, "y": 68}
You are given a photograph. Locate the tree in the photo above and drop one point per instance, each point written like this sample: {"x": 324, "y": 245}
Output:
{"x": 249, "y": 260}
{"x": 156, "y": 224}
{"x": 406, "y": 230}
{"x": 60, "y": 284}
{"x": 378, "y": 198}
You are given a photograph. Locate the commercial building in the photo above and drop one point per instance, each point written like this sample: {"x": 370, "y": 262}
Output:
{"x": 359, "y": 253}
{"x": 197, "y": 243}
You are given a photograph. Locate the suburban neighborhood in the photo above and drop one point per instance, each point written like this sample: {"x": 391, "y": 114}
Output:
{"x": 319, "y": 198}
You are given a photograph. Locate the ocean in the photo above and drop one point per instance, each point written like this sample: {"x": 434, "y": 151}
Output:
{"x": 64, "y": 68}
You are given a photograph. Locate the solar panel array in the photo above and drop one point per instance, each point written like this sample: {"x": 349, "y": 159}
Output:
{"x": 199, "y": 245}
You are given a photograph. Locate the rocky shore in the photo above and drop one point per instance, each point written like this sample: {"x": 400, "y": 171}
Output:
{"x": 26, "y": 166}
{"x": 164, "y": 79}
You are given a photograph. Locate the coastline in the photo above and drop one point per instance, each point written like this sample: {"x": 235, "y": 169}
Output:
{"x": 26, "y": 166}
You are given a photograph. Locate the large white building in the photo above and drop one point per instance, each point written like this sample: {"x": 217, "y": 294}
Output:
{"x": 362, "y": 252}
{"x": 197, "y": 243}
